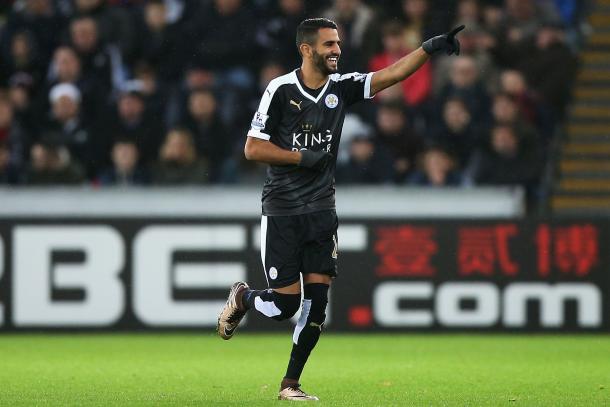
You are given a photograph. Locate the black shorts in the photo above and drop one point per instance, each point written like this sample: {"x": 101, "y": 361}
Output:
{"x": 298, "y": 244}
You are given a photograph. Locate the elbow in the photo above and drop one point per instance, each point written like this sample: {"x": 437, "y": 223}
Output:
{"x": 250, "y": 151}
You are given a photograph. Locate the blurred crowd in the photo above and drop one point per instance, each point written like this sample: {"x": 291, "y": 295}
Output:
{"x": 138, "y": 92}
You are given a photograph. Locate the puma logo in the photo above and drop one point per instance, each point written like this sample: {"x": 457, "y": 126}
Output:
{"x": 314, "y": 325}
{"x": 298, "y": 105}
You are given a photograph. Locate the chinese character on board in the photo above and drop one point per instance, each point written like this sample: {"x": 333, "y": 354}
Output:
{"x": 406, "y": 251}
{"x": 485, "y": 249}
{"x": 571, "y": 249}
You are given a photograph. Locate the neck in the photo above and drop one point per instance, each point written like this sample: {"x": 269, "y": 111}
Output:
{"x": 312, "y": 77}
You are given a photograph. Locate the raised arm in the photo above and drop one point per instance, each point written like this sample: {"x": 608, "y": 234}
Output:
{"x": 398, "y": 71}
{"x": 405, "y": 66}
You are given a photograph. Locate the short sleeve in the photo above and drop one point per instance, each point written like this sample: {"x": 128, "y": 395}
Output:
{"x": 355, "y": 87}
{"x": 267, "y": 116}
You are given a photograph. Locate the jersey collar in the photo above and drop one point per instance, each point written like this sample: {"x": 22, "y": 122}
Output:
{"x": 307, "y": 95}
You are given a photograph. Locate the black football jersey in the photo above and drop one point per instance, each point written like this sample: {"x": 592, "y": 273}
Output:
{"x": 294, "y": 119}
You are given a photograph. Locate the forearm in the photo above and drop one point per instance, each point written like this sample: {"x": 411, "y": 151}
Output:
{"x": 398, "y": 71}
{"x": 408, "y": 64}
{"x": 267, "y": 152}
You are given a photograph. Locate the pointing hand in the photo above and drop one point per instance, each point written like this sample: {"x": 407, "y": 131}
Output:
{"x": 446, "y": 42}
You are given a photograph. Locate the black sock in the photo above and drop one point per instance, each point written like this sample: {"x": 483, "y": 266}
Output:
{"x": 308, "y": 329}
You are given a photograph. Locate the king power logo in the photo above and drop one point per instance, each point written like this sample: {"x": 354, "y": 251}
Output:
{"x": 307, "y": 139}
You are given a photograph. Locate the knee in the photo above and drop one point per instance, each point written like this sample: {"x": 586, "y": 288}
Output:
{"x": 287, "y": 304}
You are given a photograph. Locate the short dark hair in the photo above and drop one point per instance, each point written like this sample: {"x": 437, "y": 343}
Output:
{"x": 307, "y": 31}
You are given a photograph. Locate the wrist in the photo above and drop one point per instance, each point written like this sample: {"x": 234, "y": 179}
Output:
{"x": 431, "y": 46}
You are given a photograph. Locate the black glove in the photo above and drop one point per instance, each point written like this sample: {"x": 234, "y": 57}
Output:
{"x": 446, "y": 42}
{"x": 316, "y": 160}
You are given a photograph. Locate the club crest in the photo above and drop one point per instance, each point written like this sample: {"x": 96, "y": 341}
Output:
{"x": 331, "y": 100}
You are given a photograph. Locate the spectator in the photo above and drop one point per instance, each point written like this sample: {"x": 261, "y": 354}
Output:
{"x": 66, "y": 67}
{"x": 466, "y": 84}
{"x": 225, "y": 50}
{"x": 50, "y": 164}
{"x": 523, "y": 18}
{"x": 73, "y": 130}
{"x": 156, "y": 92}
{"x": 513, "y": 83}
{"x": 421, "y": 22}
{"x": 99, "y": 61}
{"x": 518, "y": 26}
{"x": 9, "y": 173}
{"x": 21, "y": 87}
{"x": 353, "y": 127}
{"x": 437, "y": 169}
{"x": 369, "y": 163}
{"x": 134, "y": 122}
{"x": 269, "y": 71}
{"x": 355, "y": 21}
{"x": 22, "y": 56}
{"x": 160, "y": 44}
{"x": 468, "y": 13}
{"x": 178, "y": 162}
{"x": 550, "y": 67}
{"x": 416, "y": 88}
{"x": 507, "y": 161}
{"x": 213, "y": 140}
{"x": 37, "y": 17}
{"x": 12, "y": 133}
{"x": 114, "y": 24}
{"x": 276, "y": 36}
{"x": 231, "y": 55}
{"x": 394, "y": 133}
{"x": 473, "y": 43}
{"x": 506, "y": 112}
{"x": 457, "y": 131}
{"x": 124, "y": 170}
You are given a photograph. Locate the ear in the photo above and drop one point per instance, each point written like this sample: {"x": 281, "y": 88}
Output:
{"x": 306, "y": 50}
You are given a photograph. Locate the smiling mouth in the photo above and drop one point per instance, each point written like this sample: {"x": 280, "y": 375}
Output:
{"x": 333, "y": 59}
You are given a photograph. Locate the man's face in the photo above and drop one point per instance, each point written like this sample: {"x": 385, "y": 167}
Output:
{"x": 504, "y": 142}
{"x": 131, "y": 107}
{"x": 65, "y": 109}
{"x": 464, "y": 72}
{"x": 67, "y": 64}
{"x": 125, "y": 156}
{"x": 202, "y": 104}
{"x": 455, "y": 115}
{"x": 177, "y": 148}
{"x": 154, "y": 15}
{"x": 326, "y": 51}
{"x": 39, "y": 157}
{"x": 390, "y": 121}
{"x": 84, "y": 34}
{"x": 504, "y": 110}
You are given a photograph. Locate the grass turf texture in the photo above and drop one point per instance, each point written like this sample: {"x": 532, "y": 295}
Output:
{"x": 367, "y": 370}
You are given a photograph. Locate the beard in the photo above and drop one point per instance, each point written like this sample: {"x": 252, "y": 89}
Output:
{"x": 322, "y": 64}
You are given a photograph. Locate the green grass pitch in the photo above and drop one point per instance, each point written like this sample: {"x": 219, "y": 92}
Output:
{"x": 366, "y": 370}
